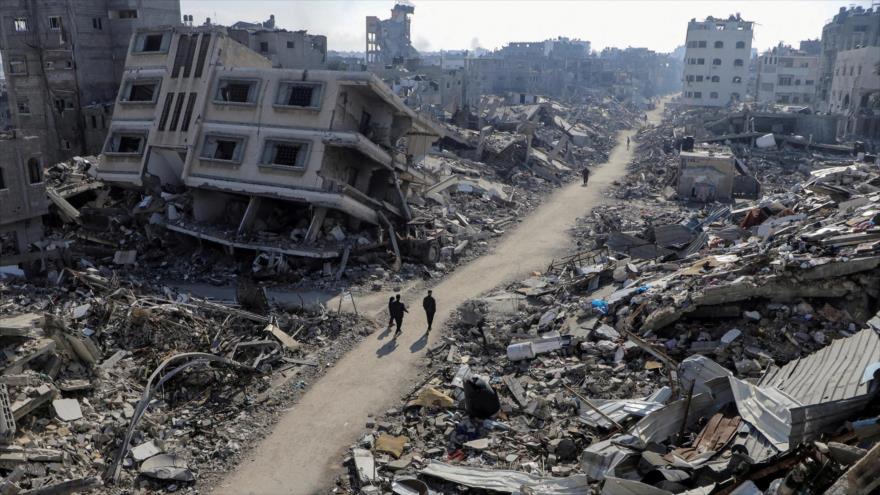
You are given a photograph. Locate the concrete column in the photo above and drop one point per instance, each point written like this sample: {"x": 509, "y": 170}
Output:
{"x": 315, "y": 225}
{"x": 247, "y": 221}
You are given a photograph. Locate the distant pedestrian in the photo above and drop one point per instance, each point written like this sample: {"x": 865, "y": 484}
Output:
{"x": 627, "y": 142}
{"x": 430, "y": 306}
{"x": 646, "y": 118}
{"x": 390, "y": 312}
{"x": 586, "y": 174}
{"x": 397, "y": 313}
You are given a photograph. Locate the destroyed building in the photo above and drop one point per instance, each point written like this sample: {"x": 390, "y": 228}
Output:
{"x": 306, "y": 154}
{"x": 716, "y": 70}
{"x": 850, "y": 29}
{"x": 706, "y": 175}
{"x": 22, "y": 195}
{"x": 553, "y": 67}
{"x": 286, "y": 49}
{"x": 388, "y": 40}
{"x": 64, "y": 60}
{"x": 855, "y": 92}
{"x": 787, "y": 76}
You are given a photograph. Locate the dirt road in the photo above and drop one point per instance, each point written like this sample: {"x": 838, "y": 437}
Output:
{"x": 302, "y": 454}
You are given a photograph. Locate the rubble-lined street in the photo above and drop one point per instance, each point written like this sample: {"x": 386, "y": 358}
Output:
{"x": 375, "y": 373}
{"x": 335, "y": 252}
{"x": 676, "y": 349}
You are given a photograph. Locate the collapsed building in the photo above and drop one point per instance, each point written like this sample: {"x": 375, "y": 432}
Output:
{"x": 734, "y": 351}
{"x": 256, "y": 148}
{"x": 388, "y": 41}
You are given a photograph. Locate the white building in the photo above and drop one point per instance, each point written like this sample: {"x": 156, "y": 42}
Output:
{"x": 787, "y": 76}
{"x": 716, "y": 63}
{"x": 854, "y": 82}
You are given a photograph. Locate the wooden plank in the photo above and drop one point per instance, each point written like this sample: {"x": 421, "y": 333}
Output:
{"x": 516, "y": 389}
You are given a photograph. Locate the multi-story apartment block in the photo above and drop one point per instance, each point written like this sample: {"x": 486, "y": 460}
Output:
{"x": 855, "y": 92}
{"x": 850, "y": 29}
{"x": 249, "y": 141}
{"x": 286, "y": 49}
{"x": 787, "y": 76}
{"x": 23, "y": 199}
{"x": 63, "y": 61}
{"x": 716, "y": 64}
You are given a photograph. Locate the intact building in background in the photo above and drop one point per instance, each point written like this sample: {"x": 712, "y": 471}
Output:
{"x": 851, "y": 29}
{"x": 388, "y": 41}
{"x": 716, "y": 64}
{"x": 63, "y": 61}
{"x": 787, "y": 76}
{"x": 285, "y": 49}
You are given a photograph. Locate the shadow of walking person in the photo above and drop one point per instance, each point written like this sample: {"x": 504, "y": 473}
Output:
{"x": 387, "y": 349}
{"x": 419, "y": 344}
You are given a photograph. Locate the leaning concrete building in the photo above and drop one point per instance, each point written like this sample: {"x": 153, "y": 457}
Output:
{"x": 311, "y": 149}
{"x": 716, "y": 63}
{"x": 63, "y": 61}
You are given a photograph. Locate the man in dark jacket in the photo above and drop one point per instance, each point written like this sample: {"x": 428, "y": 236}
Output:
{"x": 398, "y": 310}
{"x": 586, "y": 175}
{"x": 390, "y": 312}
{"x": 430, "y": 306}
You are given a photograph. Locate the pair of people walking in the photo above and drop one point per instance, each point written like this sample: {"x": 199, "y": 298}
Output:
{"x": 396, "y": 309}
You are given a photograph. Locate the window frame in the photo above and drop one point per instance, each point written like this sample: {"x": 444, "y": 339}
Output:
{"x": 739, "y": 63}
{"x": 113, "y": 135}
{"x": 240, "y": 149}
{"x": 129, "y": 83}
{"x": 280, "y": 92}
{"x": 18, "y": 61}
{"x": 140, "y": 41}
{"x": 18, "y": 102}
{"x": 253, "y": 92}
{"x": 20, "y": 24}
{"x": 302, "y": 157}
{"x": 60, "y": 23}
{"x": 35, "y": 168}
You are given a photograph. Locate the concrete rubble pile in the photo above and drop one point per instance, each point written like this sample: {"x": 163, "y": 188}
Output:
{"x": 713, "y": 349}
{"x": 470, "y": 192}
{"x": 483, "y": 185}
{"x": 112, "y": 384}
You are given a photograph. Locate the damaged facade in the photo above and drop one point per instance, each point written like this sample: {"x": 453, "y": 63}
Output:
{"x": 64, "y": 61}
{"x": 286, "y": 49}
{"x": 22, "y": 195}
{"x": 717, "y": 54}
{"x": 787, "y": 76}
{"x": 388, "y": 41}
{"x": 250, "y": 142}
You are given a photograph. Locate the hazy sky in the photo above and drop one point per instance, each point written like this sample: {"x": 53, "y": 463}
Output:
{"x": 453, "y": 24}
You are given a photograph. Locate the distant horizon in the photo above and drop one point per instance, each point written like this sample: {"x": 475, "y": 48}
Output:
{"x": 658, "y": 26}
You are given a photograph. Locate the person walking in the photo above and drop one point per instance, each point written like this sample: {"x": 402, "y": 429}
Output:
{"x": 627, "y": 142}
{"x": 390, "y": 312}
{"x": 397, "y": 314}
{"x": 586, "y": 174}
{"x": 430, "y": 306}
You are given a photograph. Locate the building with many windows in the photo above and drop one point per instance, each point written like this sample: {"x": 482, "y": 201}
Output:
{"x": 852, "y": 28}
{"x": 211, "y": 116}
{"x": 716, "y": 63}
{"x": 787, "y": 76}
{"x": 63, "y": 60}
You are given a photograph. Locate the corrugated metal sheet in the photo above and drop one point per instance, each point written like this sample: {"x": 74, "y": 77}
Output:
{"x": 674, "y": 235}
{"x": 831, "y": 374}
